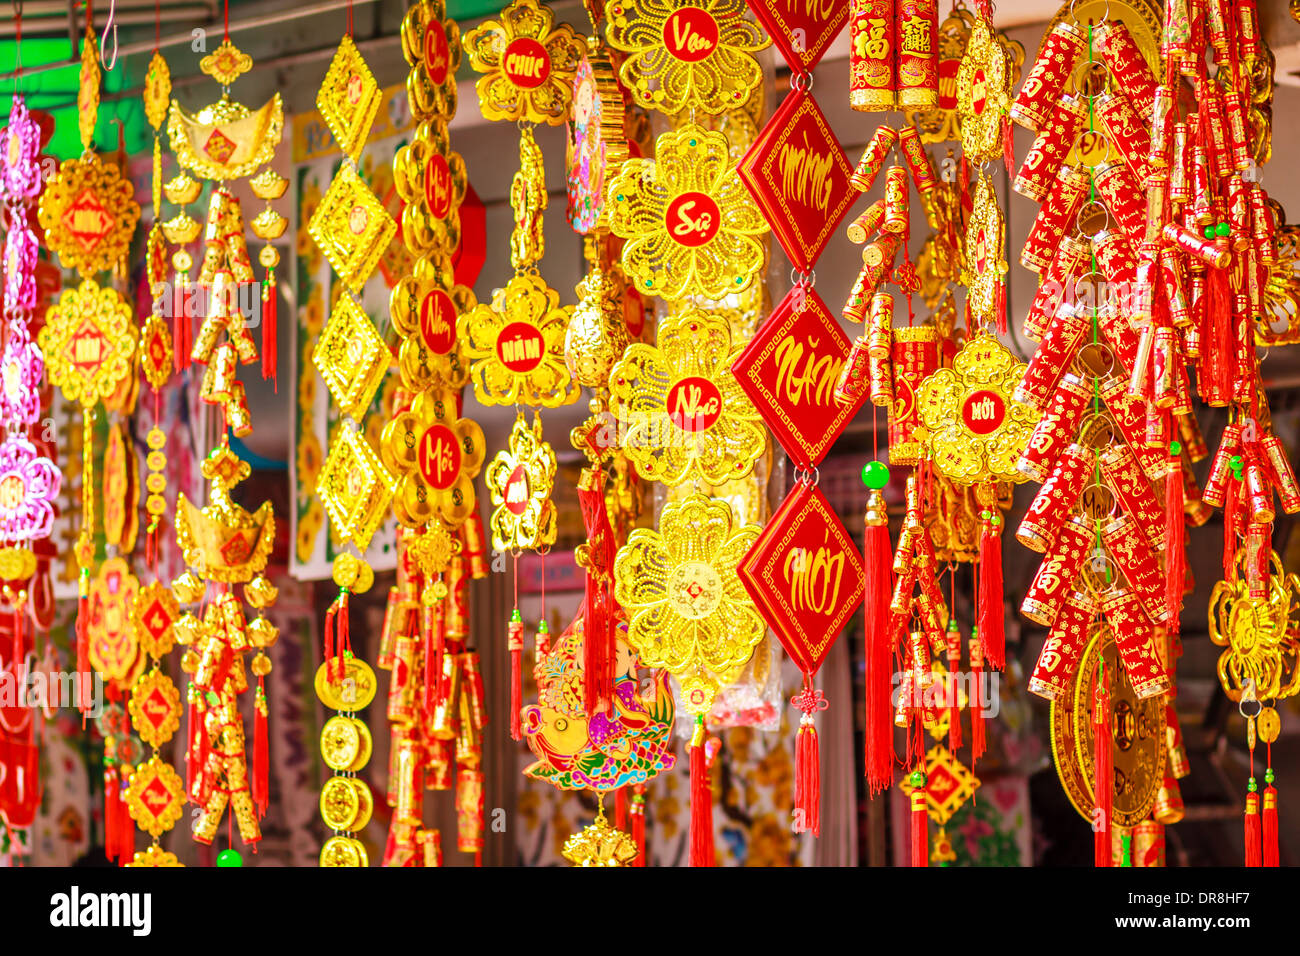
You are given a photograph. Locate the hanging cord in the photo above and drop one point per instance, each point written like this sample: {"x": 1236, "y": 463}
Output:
{"x": 157, "y": 25}
{"x": 103, "y": 42}
{"x": 349, "y": 17}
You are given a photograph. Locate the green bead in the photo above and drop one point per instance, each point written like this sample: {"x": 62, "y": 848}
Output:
{"x": 917, "y": 778}
{"x": 543, "y": 627}
{"x": 875, "y": 475}
{"x": 515, "y": 616}
{"x": 1268, "y": 776}
{"x": 229, "y": 858}
{"x": 1223, "y": 230}
{"x": 1253, "y": 787}
{"x": 1209, "y": 232}
{"x": 1175, "y": 448}
{"x": 952, "y": 625}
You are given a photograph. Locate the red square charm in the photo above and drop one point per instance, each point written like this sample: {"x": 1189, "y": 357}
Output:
{"x": 802, "y": 31}
{"x": 804, "y": 573}
{"x": 799, "y": 175}
{"x": 789, "y": 370}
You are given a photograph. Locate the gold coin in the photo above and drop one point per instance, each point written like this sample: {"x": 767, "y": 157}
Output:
{"x": 343, "y": 851}
{"x": 339, "y": 804}
{"x": 1269, "y": 725}
{"x": 340, "y": 742}
{"x": 365, "y": 745}
{"x": 365, "y": 803}
{"x": 355, "y": 690}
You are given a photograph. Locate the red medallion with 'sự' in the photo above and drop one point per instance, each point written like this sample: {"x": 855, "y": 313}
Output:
{"x": 805, "y": 576}
{"x": 799, "y": 175}
{"x": 789, "y": 370}
{"x": 801, "y": 29}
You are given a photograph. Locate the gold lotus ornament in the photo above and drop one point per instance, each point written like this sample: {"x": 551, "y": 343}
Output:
{"x": 528, "y": 64}
{"x": 520, "y": 479}
{"x": 683, "y": 413}
{"x": 224, "y": 541}
{"x": 687, "y": 56}
{"x": 355, "y": 487}
{"x": 690, "y": 224}
{"x": 515, "y": 346}
{"x": 688, "y": 611}
{"x": 1260, "y": 635}
{"x": 89, "y": 343}
{"x": 437, "y": 457}
{"x": 974, "y": 429}
{"x": 348, "y": 98}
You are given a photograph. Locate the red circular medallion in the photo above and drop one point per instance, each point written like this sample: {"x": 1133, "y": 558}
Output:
{"x": 438, "y": 322}
{"x": 690, "y": 34}
{"x": 526, "y": 63}
{"x": 979, "y": 92}
{"x": 983, "y": 411}
{"x": 437, "y": 186}
{"x": 439, "y": 457}
{"x": 692, "y": 218}
{"x": 520, "y": 347}
{"x": 517, "y": 491}
{"x": 436, "y": 54}
{"x": 694, "y": 404}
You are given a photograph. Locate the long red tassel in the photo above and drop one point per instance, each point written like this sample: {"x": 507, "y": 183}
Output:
{"x": 1252, "y": 828}
{"x": 260, "y": 784}
{"x": 1103, "y": 775}
{"x": 85, "y": 677}
{"x": 978, "y": 742}
{"x": 878, "y": 564}
{"x": 182, "y": 326}
{"x": 1175, "y": 539}
{"x": 991, "y": 604}
{"x": 920, "y": 825}
{"x": 638, "y": 823}
{"x": 343, "y": 636}
{"x": 954, "y": 720}
{"x": 269, "y": 330}
{"x": 701, "y": 838}
{"x": 111, "y": 805}
{"x": 620, "y": 809}
{"x": 1270, "y": 822}
{"x": 807, "y": 763}
{"x": 515, "y": 643}
{"x": 191, "y": 751}
{"x": 126, "y": 832}
{"x": 1230, "y": 529}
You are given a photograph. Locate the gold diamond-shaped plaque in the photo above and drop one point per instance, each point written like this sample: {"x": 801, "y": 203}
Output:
{"x": 348, "y": 99}
{"x": 351, "y": 357}
{"x": 356, "y": 488}
{"x": 352, "y": 228}
{"x": 155, "y": 707}
{"x": 948, "y": 784}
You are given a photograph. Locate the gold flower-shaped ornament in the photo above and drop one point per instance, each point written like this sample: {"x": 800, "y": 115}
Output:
{"x": 688, "y": 611}
{"x": 437, "y": 456}
{"x": 679, "y": 408}
{"x": 520, "y": 479}
{"x": 528, "y": 64}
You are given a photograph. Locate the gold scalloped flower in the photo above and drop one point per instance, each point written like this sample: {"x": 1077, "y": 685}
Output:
{"x": 520, "y": 479}
{"x": 679, "y": 408}
{"x": 974, "y": 429}
{"x": 437, "y": 456}
{"x": 527, "y": 66}
{"x": 691, "y": 226}
{"x": 697, "y": 55}
{"x": 688, "y": 612}
{"x": 515, "y": 346}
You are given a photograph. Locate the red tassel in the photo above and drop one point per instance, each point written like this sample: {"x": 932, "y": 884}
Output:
{"x": 111, "y": 804}
{"x": 1175, "y": 540}
{"x": 1103, "y": 774}
{"x": 620, "y": 808}
{"x": 126, "y": 832}
{"x": 991, "y": 604}
{"x": 638, "y": 823}
{"x": 515, "y": 642}
{"x": 920, "y": 827}
{"x": 878, "y": 563}
{"x": 182, "y": 325}
{"x": 600, "y": 627}
{"x": 954, "y": 719}
{"x": 1008, "y": 151}
{"x": 978, "y": 743}
{"x": 191, "y": 751}
{"x": 269, "y": 351}
{"x": 1230, "y": 527}
{"x": 1217, "y": 353}
{"x": 1270, "y": 826}
{"x": 261, "y": 753}
{"x": 343, "y": 641}
{"x": 1252, "y": 829}
{"x": 85, "y": 675}
{"x": 807, "y": 761}
{"x": 701, "y": 838}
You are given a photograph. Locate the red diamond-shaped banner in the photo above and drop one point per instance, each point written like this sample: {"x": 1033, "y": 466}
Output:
{"x": 799, "y": 175}
{"x": 801, "y": 30}
{"x": 789, "y": 370}
{"x": 804, "y": 574}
